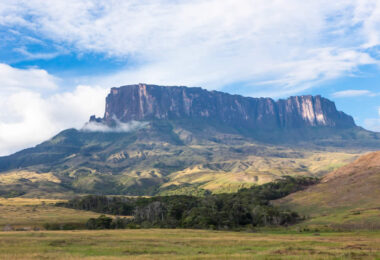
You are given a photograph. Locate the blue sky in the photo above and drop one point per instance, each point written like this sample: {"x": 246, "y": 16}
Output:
{"x": 59, "y": 58}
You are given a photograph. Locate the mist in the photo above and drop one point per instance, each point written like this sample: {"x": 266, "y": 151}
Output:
{"x": 120, "y": 127}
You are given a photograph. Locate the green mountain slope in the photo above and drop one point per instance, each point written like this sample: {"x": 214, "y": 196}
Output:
{"x": 163, "y": 157}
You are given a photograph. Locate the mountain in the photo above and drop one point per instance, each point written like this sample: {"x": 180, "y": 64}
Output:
{"x": 168, "y": 140}
{"x": 149, "y": 102}
{"x": 348, "y": 197}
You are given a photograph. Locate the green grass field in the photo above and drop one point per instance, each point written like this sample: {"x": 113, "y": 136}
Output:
{"x": 186, "y": 244}
{"x": 281, "y": 243}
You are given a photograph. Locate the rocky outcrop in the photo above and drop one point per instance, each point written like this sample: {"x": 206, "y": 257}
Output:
{"x": 147, "y": 102}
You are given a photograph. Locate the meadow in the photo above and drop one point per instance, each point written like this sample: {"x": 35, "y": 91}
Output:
{"x": 294, "y": 242}
{"x": 28, "y": 214}
{"x": 187, "y": 244}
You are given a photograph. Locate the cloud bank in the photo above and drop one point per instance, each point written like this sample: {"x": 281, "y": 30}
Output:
{"x": 259, "y": 47}
{"x": 288, "y": 45}
{"x": 28, "y": 117}
{"x": 13, "y": 79}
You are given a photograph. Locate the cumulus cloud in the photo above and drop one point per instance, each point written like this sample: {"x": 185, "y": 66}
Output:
{"x": 29, "y": 116}
{"x": 290, "y": 45}
{"x": 119, "y": 127}
{"x": 13, "y": 79}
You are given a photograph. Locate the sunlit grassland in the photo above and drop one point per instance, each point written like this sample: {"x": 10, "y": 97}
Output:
{"x": 226, "y": 171}
{"x": 34, "y": 213}
{"x": 187, "y": 244}
{"x": 282, "y": 243}
{"x": 345, "y": 219}
{"x": 230, "y": 176}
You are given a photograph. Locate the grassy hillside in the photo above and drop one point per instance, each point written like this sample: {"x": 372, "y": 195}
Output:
{"x": 216, "y": 175}
{"x": 162, "y": 158}
{"x": 232, "y": 175}
{"x": 348, "y": 197}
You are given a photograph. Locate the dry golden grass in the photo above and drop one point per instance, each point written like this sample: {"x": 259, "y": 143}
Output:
{"x": 230, "y": 176}
{"x": 347, "y": 197}
{"x": 186, "y": 244}
{"x": 31, "y": 213}
{"x": 16, "y": 176}
{"x": 26, "y": 201}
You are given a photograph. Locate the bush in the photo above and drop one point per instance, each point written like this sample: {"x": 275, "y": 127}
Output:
{"x": 102, "y": 222}
{"x": 64, "y": 226}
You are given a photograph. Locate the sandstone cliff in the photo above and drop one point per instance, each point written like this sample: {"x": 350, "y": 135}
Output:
{"x": 147, "y": 102}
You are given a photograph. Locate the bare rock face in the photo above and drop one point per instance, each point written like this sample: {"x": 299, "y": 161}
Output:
{"x": 148, "y": 102}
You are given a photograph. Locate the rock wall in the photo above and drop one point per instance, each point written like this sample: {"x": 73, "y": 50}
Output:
{"x": 146, "y": 102}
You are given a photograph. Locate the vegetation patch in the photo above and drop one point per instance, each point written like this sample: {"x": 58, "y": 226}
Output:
{"x": 244, "y": 209}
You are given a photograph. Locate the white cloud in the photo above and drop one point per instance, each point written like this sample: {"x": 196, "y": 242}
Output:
{"x": 118, "y": 128}
{"x": 13, "y": 79}
{"x": 34, "y": 56}
{"x": 274, "y": 48}
{"x": 367, "y": 13}
{"x": 352, "y": 93}
{"x": 73, "y": 109}
{"x": 31, "y": 113}
{"x": 287, "y": 44}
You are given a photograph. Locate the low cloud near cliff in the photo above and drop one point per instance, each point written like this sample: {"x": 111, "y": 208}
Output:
{"x": 120, "y": 127}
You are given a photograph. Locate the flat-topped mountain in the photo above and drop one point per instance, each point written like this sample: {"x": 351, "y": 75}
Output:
{"x": 147, "y": 102}
{"x": 170, "y": 140}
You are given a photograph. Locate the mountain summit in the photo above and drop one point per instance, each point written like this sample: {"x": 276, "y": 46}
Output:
{"x": 144, "y": 102}
{"x": 179, "y": 140}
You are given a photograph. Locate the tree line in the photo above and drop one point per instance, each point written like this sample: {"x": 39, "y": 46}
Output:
{"x": 247, "y": 207}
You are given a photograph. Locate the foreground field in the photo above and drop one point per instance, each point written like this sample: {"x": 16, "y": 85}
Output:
{"x": 186, "y": 244}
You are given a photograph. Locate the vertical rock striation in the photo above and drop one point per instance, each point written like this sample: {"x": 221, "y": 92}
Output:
{"x": 149, "y": 102}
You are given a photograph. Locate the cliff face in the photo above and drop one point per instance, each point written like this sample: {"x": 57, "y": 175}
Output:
{"x": 146, "y": 102}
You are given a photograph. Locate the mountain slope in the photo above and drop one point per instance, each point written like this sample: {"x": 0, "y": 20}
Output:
{"x": 349, "y": 196}
{"x": 161, "y": 158}
{"x": 188, "y": 140}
